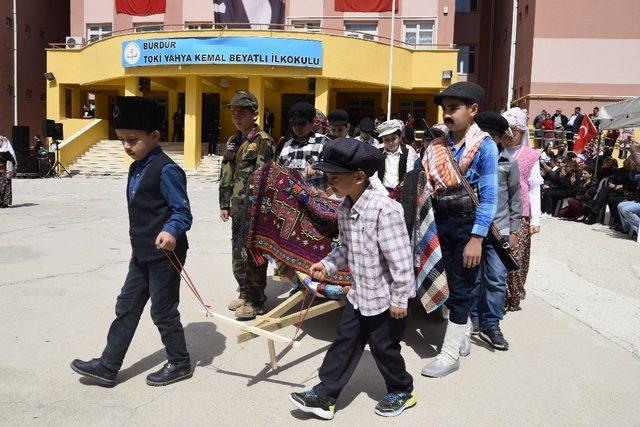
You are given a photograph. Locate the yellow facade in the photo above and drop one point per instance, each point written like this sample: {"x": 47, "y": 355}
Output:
{"x": 353, "y": 69}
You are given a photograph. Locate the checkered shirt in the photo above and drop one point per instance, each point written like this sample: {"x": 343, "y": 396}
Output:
{"x": 374, "y": 243}
{"x": 297, "y": 155}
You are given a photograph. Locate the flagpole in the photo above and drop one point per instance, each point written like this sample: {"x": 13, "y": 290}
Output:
{"x": 393, "y": 33}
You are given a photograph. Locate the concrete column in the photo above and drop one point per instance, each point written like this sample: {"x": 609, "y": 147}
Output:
{"x": 172, "y": 105}
{"x": 76, "y": 107}
{"x": 193, "y": 122}
{"x": 131, "y": 87}
{"x": 323, "y": 91}
{"x": 102, "y": 106}
{"x": 256, "y": 87}
{"x": 55, "y": 101}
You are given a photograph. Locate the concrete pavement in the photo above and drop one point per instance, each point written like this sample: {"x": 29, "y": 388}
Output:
{"x": 573, "y": 357}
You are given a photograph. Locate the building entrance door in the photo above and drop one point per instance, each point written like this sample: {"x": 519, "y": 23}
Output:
{"x": 211, "y": 120}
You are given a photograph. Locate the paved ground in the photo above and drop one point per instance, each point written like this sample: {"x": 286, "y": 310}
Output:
{"x": 574, "y": 355}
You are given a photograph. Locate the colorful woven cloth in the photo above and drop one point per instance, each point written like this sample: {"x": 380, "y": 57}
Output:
{"x": 291, "y": 222}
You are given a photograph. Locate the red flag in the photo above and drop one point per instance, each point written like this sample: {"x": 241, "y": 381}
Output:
{"x": 141, "y": 7}
{"x": 587, "y": 132}
{"x": 364, "y": 5}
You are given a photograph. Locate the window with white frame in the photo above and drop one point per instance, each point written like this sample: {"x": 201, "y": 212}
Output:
{"x": 361, "y": 30}
{"x": 307, "y": 26}
{"x": 418, "y": 34}
{"x": 144, "y": 27}
{"x": 199, "y": 26}
{"x": 466, "y": 59}
{"x": 98, "y": 31}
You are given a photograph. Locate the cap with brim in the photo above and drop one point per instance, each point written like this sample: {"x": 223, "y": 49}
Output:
{"x": 366, "y": 125}
{"x": 468, "y": 91}
{"x": 338, "y": 117}
{"x": 492, "y": 123}
{"x": 331, "y": 167}
{"x": 243, "y": 99}
{"x": 389, "y": 127}
{"x": 302, "y": 112}
{"x": 345, "y": 155}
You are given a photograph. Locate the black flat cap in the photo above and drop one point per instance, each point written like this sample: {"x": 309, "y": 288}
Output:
{"x": 344, "y": 155}
{"x": 338, "y": 117}
{"x": 492, "y": 123}
{"x": 244, "y": 99}
{"x": 302, "y": 112}
{"x": 366, "y": 125}
{"x": 136, "y": 112}
{"x": 462, "y": 90}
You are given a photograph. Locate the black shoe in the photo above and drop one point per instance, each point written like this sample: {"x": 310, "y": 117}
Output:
{"x": 309, "y": 402}
{"x": 475, "y": 326}
{"x": 170, "y": 374}
{"x": 591, "y": 219}
{"x": 96, "y": 370}
{"x": 493, "y": 335}
{"x": 393, "y": 404}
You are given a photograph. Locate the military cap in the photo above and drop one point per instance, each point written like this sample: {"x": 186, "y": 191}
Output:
{"x": 338, "y": 117}
{"x": 492, "y": 123}
{"x": 468, "y": 91}
{"x": 344, "y": 155}
{"x": 136, "y": 112}
{"x": 302, "y": 112}
{"x": 243, "y": 99}
{"x": 366, "y": 125}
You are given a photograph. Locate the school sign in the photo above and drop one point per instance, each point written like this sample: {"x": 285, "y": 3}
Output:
{"x": 222, "y": 50}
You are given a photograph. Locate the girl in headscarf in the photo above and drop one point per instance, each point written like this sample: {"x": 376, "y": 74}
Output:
{"x": 8, "y": 165}
{"x": 519, "y": 147}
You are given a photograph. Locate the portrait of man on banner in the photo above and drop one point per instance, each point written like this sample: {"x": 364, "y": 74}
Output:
{"x": 253, "y": 13}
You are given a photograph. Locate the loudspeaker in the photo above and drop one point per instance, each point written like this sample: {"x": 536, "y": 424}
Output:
{"x": 59, "y": 132}
{"x": 49, "y": 128}
{"x": 20, "y": 140}
{"x": 144, "y": 84}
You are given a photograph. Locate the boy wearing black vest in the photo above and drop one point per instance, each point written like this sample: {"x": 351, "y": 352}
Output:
{"x": 159, "y": 217}
{"x": 399, "y": 158}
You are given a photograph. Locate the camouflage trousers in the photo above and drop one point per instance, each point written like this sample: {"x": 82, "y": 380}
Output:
{"x": 251, "y": 278}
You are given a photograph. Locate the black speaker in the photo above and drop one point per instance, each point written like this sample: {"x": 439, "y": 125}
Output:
{"x": 144, "y": 84}
{"x": 59, "y": 131}
{"x": 49, "y": 128}
{"x": 20, "y": 139}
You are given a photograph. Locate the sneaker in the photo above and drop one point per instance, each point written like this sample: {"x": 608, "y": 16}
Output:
{"x": 493, "y": 335}
{"x": 393, "y": 404}
{"x": 309, "y": 402}
{"x": 475, "y": 326}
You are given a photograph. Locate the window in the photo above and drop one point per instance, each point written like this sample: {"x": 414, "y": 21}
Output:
{"x": 466, "y": 59}
{"x": 144, "y": 27}
{"x": 308, "y": 26}
{"x": 28, "y": 94}
{"x": 199, "y": 26}
{"x": 98, "y": 31}
{"x": 361, "y": 30}
{"x": 466, "y": 5}
{"x": 8, "y": 22}
{"x": 417, "y": 108}
{"x": 418, "y": 34}
{"x": 42, "y": 35}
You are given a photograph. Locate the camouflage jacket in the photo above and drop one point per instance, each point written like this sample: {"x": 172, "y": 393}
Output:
{"x": 240, "y": 160}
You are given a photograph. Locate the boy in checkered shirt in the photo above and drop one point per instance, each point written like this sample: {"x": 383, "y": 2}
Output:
{"x": 374, "y": 244}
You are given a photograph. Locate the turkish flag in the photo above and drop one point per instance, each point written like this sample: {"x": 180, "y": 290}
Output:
{"x": 364, "y": 5}
{"x": 141, "y": 7}
{"x": 587, "y": 132}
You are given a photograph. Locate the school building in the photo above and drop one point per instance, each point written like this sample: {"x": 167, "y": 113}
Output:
{"x": 331, "y": 59}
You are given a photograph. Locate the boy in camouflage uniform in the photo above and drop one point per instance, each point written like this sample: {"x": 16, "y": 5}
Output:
{"x": 247, "y": 150}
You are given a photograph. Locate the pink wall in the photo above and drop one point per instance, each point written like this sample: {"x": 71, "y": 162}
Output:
{"x": 445, "y": 23}
{"x": 197, "y": 10}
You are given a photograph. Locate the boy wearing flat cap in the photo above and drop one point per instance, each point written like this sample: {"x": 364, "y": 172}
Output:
{"x": 488, "y": 295}
{"x": 303, "y": 150}
{"x": 374, "y": 244}
{"x": 159, "y": 217}
{"x": 367, "y": 127}
{"x": 247, "y": 150}
{"x": 462, "y": 227}
{"x": 399, "y": 158}
{"x": 339, "y": 125}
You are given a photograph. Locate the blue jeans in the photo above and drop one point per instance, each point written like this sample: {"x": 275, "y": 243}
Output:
{"x": 629, "y": 215}
{"x": 490, "y": 290}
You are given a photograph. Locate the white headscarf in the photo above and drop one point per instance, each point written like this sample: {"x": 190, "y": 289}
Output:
{"x": 517, "y": 117}
{"x": 5, "y": 146}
